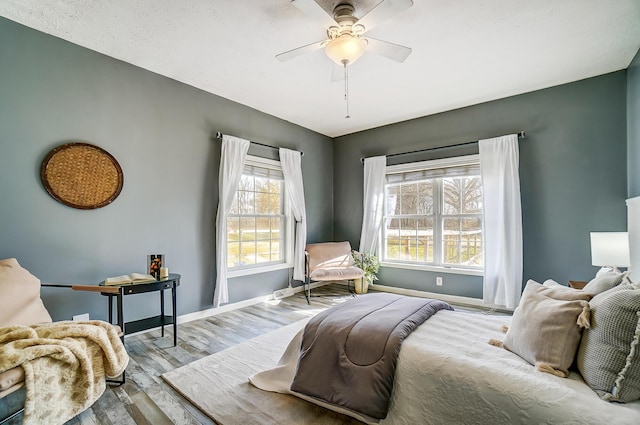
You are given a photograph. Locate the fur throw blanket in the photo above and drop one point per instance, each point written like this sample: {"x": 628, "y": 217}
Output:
{"x": 65, "y": 364}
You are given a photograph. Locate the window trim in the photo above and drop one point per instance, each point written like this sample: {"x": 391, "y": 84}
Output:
{"x": 420, "y": 166}
{"x": 433, "y": 164}
{"x": 431, "y": 268}
{"x": 288, "y": 228}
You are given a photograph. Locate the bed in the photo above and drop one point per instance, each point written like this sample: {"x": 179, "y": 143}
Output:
{"x": 448, "y": 373}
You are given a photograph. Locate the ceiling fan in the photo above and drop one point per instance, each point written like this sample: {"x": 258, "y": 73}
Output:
{"x": 345, "y": 41}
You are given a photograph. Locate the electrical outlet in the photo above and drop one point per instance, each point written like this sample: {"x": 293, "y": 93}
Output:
{"x": 81, "y": 317}
{"x": 439, "y": 281}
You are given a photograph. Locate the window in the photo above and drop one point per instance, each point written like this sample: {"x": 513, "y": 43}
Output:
{"x": 258, "y": 226}
{"x": 433, "y": 214}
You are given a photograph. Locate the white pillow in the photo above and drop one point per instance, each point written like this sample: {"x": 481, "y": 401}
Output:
{"x": 605, "y": 281}
{"x": 604, "y": 270}
{"x": 550, "y": 283}
{"x": 20, "y": 303}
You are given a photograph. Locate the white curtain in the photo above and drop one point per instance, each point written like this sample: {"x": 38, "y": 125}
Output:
{"x": 633, "y": 227}
{"x": 373, "y": 202}
{"x": 291, "y": 163}
{"x": 502, "y": 221}
{"x": 232, "y": 157}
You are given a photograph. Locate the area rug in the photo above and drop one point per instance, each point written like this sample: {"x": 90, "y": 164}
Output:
{"x": 218, "y": 385}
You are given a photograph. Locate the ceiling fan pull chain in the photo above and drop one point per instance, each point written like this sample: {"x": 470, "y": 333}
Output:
{"x": 346, "y": 87}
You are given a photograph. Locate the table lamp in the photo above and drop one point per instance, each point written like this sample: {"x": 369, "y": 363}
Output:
{"x": 610, "y": 250}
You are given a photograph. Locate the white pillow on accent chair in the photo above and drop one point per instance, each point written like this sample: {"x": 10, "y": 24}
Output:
{"x": 20, "y": 303}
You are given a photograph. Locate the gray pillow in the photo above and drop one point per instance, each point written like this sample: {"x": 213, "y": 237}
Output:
{"x": 609, "y": 353}
{"x": 604, "y": 281}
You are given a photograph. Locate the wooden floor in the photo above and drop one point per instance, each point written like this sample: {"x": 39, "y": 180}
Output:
{"x": 146, "y": 399}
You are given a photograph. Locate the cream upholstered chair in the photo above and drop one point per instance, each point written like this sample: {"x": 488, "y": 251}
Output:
{"x": 20, "y": 304}
{"x": 328, "y": 262}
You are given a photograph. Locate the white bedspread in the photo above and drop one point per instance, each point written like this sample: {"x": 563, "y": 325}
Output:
{"x": 447, "y": 373}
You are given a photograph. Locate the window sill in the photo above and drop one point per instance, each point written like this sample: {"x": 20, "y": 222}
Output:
{"x": 257, "y": 270}
{"x": 438, "y": 269}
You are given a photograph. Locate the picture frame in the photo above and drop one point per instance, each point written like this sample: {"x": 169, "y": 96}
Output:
{"x": 154, "y": 262}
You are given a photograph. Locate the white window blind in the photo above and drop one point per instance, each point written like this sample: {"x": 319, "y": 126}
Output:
{"x": 433, "y": 173}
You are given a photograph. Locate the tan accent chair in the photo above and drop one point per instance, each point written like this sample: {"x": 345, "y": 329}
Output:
{"x": 20, "y": 304}
{"x": 328, "y": 262}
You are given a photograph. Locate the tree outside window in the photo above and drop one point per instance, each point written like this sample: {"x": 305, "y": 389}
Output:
{"x": 434, "y": 220}
{"x": 255, "y": 227}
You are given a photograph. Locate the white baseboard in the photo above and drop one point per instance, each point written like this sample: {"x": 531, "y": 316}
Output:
{"x": 453, "y": 299}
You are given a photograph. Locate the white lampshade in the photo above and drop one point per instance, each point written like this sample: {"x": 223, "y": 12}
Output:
{"x": 345, "y": 49}
{"x": 610, "y": 249}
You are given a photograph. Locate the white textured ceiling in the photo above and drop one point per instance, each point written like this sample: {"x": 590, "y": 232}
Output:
{"x": 464, "y": 51}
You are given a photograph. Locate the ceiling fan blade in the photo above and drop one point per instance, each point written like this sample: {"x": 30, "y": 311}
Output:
{"x": 392, "y": 51}
{"x": 383, "y": 10}
{"x": 313, "y": 10}
{"x": 285, "y": 56}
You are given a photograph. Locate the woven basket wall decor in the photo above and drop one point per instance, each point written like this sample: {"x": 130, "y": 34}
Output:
{"x": 82, "y": 175}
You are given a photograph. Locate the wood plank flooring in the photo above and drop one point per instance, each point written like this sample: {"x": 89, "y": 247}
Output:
{"x": 146, "y": 399}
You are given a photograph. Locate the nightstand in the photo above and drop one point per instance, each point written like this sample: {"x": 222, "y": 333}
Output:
{"x": 577, "y": 284}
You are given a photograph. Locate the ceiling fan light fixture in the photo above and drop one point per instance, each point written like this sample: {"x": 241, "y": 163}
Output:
{"x": 346, "y": 49}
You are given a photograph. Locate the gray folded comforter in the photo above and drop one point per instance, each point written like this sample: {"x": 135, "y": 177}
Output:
{"x": 349, "y": 351}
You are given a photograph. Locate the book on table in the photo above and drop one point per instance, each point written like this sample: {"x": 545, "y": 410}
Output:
{"x": 129, "y": 278}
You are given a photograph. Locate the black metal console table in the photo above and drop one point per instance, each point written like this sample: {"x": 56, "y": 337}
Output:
{"x": 170, "y": 282}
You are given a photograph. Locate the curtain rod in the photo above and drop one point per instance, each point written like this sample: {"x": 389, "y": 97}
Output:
{"x": 521, "y": 135}
{"x": 219, "y": 136}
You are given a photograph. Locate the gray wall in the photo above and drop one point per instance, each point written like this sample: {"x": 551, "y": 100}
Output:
{"x": 633, "y": 125}
{"x": 572, "y": 172}
{"x": 162, "y": 133}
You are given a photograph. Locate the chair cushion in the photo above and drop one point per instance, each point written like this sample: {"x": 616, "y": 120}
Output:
{"x": 20, "y": 302}
{"x": 329, "y": 254}
{"x": 5, "y": 393}
{"x": 11, "y": 377}
{"x": 336, "y": 273}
